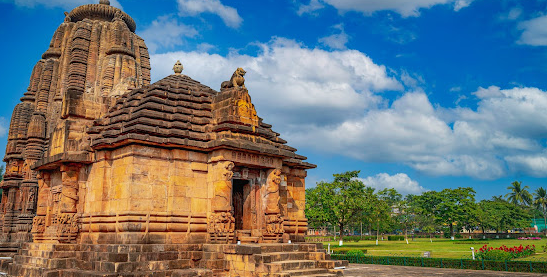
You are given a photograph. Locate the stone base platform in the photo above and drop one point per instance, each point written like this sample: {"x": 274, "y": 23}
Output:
{"x": 172, "y": 260}
{"x": 265, "y": 260}
{"x": 139, "y": 260}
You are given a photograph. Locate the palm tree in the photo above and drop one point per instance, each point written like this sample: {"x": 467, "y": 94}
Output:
{"x": 519, "y": 194}
{"x": 540, "y": 202}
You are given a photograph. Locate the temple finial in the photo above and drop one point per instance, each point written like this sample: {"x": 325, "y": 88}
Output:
{"x": 178, "y": 68}
{"x": 104, "y": 2}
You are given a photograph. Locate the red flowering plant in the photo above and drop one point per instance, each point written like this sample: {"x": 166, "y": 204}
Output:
{"x": 505, "y": 253}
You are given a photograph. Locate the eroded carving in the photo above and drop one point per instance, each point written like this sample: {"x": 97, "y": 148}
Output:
{"x": 223, "y": 187}
{"x": 272, "y": 191}
{"x": 237, "y": 80}
{"x": 274, "y": 224}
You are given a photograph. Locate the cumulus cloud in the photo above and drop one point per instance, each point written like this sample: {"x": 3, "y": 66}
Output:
{"x": 337, "y": 40}
{"x": 292, "y": 84}
{"x": 404, "y": 7}
{"x": 400, "y": 182}
{"x": 533, "y": 31}
{"x": 166, "y": 32}
{"x": 332, "y": 101}
{"x": 67, "y": 4}
{"x": 228, "y": 14}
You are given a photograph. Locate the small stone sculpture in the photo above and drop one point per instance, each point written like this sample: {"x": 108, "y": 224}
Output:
{"x": 178, "y": 68}
{"x": 236, "y": 81}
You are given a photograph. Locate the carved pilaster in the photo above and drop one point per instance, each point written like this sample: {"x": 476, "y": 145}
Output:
{"x": 223, "y": 186}
{"x": 274, "y": 219}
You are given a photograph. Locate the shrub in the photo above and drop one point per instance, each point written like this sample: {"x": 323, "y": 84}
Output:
{"x": 396, "y": 238}
{"x": 505, "y": 253}
{"x": 458, "y": 236}
{"x": 352, "y": 238}
{"x": 358, "y": 252}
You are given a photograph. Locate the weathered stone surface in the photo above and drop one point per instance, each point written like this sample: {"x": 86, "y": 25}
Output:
{"x": 93, "y": 58}
{"x": 112, "y": 176}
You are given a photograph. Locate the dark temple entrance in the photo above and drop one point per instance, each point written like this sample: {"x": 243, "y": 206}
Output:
{"x": 241, "y": 199}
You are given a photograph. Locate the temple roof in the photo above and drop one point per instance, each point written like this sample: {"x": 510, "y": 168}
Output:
{"x": 101, "y": 11}
{"x": 179, "y": 112}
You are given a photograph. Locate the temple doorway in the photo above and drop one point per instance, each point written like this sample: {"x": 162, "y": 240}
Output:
{"x": 241, "y": 199}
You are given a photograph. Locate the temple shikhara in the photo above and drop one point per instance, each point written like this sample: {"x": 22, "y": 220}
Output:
{"x": 110, "y": 175}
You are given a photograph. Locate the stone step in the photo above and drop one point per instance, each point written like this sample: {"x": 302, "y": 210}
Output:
{"x": 331, "y": 264}
{"x": 282, "y": 266}
{"x": 277, "y": 247}
{"x": 85, "y": 273}
{"x": 197, "y": 272}
{"x": 248, "y": 239}
{"x": 300, "y": 272}
{"x": 321, "y": 275}
{"x": 282, "y": 256}
{"x": 44, "y": 262}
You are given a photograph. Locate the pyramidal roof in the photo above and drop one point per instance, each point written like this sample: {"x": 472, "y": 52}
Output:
{"x": 179, "y": 112}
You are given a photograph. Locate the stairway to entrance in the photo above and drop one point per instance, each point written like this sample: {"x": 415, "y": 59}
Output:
{"x": 271, "y": 260}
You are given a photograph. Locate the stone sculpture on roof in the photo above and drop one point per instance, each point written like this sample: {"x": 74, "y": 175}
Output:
{"x": 101, "y": 164}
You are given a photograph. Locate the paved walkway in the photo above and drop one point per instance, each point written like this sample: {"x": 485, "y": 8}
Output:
{"x": 368, "y": 270}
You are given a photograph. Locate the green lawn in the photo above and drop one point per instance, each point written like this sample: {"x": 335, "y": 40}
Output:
{"x": 439, "y": 248}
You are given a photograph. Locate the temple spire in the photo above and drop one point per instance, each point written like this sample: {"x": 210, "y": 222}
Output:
{"x": 104, "y": 2}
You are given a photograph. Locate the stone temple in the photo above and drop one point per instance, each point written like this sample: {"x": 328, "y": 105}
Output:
{"x": 109, "y": 175}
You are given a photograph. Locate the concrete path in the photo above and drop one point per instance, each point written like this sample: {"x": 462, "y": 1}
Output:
{"x": 368, "y": 270}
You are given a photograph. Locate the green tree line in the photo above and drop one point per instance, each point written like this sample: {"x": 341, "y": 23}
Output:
{"x": 348, "y": 204}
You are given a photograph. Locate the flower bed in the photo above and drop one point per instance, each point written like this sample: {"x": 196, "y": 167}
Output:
{"x": 505, "y": 253}
{"x": 530, "y": 238}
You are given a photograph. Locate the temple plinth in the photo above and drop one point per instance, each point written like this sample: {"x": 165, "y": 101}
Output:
{"x": 109, "y": 175}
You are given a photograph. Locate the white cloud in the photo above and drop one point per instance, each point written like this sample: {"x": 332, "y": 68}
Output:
{"x": 460, "y": 4}
{"x": 195, "y": 7}
{"x": 513, "y": 14}
{"x": 400, "y": 182}
{"x": 534, "y": 32}
{"x": 166, "y": 32}
{"x": 67, "y": 4}
{"x": 332, "y": 101}
{"x": 292, "y": 84}
{"x": 404, "y": 7}
{"x": 338, "y": 40}
{"x": 310, "y": 8}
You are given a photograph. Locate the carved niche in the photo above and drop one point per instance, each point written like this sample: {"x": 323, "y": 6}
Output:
{"x": 221, "y": 223}
{"x": 274, "y": 219}
{"x": 223, "y": 186}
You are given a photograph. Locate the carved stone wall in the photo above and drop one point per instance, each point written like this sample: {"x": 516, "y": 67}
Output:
{"x": 93, "y": 57}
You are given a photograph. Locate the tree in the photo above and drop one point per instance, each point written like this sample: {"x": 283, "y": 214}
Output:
{"x": 500, "y": 215}
{"x": 339, "y": 203}
{"x": 519, "y": 194}
{"x": 449, "y": 206}
{"x": 540, "y": 202}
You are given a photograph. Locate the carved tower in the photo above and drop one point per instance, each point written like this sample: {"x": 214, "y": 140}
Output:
{"x": 94, "y": 57}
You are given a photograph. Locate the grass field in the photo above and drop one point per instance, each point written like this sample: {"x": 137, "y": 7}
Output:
{"x": 439, "y": 248}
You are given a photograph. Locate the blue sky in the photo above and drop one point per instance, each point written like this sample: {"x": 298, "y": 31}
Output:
{"x": 417, "y": 94}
